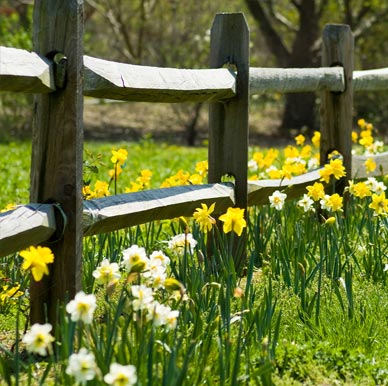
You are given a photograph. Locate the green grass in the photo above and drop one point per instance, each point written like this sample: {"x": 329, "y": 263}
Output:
{"x": 312, "y": 308}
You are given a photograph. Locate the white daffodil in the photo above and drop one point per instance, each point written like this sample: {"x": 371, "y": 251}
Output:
{"x": 135, "y": 258}
{"x": 82, "y": 366}
{"x": 120, "y": 375}
{"x": 38, "y": 340}
{"x": 143, "y": 297}
{"x": 277, "y": 200}
{"x": 107, "y": 273}
{"x": 306, "y": 203}
{"x": 181, "y": 243}
{"x": 82, "y": 307}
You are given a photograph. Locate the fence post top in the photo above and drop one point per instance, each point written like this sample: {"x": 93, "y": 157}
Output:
{"x": 336, "y": 31}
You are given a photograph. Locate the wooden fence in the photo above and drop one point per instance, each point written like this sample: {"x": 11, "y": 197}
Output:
{"x": 59, "y": 75}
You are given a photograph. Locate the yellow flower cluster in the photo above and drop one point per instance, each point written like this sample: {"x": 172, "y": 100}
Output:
{"x": 101, "y": 189}
{"x": 233, "y": 220}
{"x": 185, "y": 178}
{"x": 334, "y": 168}
{"x": 8, "y": 296}
{"x": 142, "y": 182}
{"x": 374, "y": 192}
{"x": 366, "y": 141}
{"x": 297, "y": 160}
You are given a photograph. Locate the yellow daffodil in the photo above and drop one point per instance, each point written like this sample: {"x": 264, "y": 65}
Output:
{"x": 379, "y": 204}
{"x": 196, "y": 179}
{"x": 300, "y": 139}
{"x": 354, "y": 137}
{"x": 370, "y": 165}
{"x": 274, "y": 173}
{"x": 203, "y": 217}
{"x": 316, "y": 139}
{"x": 366, "y": 139}
{"x": 88, "y": 193}
{"x": 316, "y": 191}
{"x": 334, "y": 168}
{"x": 233, "y": 220}
{"x": 361, "y": 123}
{"x": 325, "y": 174}
{"x": 291, "y": 152}
{"x": 101, "y": 189}
{"x": 361, "y": 190}
{"x": 119, "y": 156}
{"x": 335, "y": 202}
{"x": 306, "y": 151}
{"x": 36, "y": 259}
{"x": 337, "y": 168}
{"x": 202, "y": 168}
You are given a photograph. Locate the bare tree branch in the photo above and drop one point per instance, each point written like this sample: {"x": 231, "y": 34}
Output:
{"x": 367, "y": 23}
{"x": 281, "y": 19}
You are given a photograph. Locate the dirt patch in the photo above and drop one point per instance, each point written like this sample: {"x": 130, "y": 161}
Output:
{"x": 120, "y": 121}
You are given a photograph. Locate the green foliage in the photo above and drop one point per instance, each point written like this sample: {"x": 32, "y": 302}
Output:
{"x": 310, "y": 310}
{"x": 15, "y": 109}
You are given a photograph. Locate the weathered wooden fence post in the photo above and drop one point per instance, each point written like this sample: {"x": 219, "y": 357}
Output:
{"x": 337, "y": 107}
{"x": 56, "y": 168}
{"x": 228, "y": 120}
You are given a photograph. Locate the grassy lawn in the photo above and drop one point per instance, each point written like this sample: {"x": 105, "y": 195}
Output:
{"x": 311, "y": 308}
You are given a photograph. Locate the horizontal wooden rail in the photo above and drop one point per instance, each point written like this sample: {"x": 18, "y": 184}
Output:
{"x": 112, "y": 80}
{"x": 120, "y": 211}
{"x": 359, "y": 170}
{"x": 370, "y": 80}
{"x": 28, "y": 72}
{"x": 286, "y": 80}
{"x": 23, "y": 71}
{"x": 35, "y": 223}
{"x": 260, "y": 190}
{"x": 24, "y": 226}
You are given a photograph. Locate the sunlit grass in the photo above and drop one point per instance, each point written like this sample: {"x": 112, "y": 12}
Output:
{"x": 310, "y": 308}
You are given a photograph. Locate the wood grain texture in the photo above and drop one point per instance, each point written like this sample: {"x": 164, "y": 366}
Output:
{"x": 287, "y": 80}
{"x": 23, "y": 71}
{"x": 25, "y": 226}
{"x": 359, "y": 170}
{"x": 112, "y": 80}
{"x": 228, "y": 121}
{"x": 124, "y": 210}
{"x": 260, "y": 190}
{"x": 337, "y": 108}
{"x": 370, "y": 80}
{"x": 56, "y": 169}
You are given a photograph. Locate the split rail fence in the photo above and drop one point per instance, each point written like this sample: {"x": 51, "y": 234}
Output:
{"x": 60, "y": 75}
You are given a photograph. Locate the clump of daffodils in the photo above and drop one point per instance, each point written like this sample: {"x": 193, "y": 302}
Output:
{"x": 297, "y": 159}
{"x": 148, "y": 291}
{"x": 373, "y": 191}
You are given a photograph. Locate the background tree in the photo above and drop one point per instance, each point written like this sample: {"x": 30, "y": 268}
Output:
{"x": 165, "y": 33}
{"x": 292, "y": 31}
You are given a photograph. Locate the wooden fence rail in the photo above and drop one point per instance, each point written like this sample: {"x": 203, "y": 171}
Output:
{"x": 28, "y": 72}
{"x": 59, "y": 73}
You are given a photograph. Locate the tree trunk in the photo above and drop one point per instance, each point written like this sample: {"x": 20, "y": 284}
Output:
{"x": 191, "y": 126}
{"x": 299, "y": 112}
